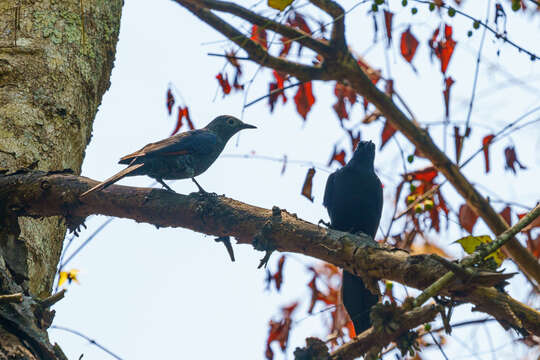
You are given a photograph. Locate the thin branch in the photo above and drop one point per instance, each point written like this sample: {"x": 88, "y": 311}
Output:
{"x": 53, "y": 299}
{"x": 287, "y": 31}
{"x": 255, "y": 51}
{"x": 90, "y": 340}
{"x": 273, "y": 92}
{"x": 476, "y": 72}
{"x": 11, "y": 298}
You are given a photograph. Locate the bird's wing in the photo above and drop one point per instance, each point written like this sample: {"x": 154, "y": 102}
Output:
{"x": 328, "y": 191}
{"x": 191, "y": 142}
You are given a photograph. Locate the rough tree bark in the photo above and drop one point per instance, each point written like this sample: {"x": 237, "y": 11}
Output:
{"x": 55, "y": 62}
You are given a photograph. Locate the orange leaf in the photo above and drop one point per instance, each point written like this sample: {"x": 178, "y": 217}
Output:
{"x": 337, "y": 156}
{"x": 277, "y": 278}
{"x": 258, "y": 35}
{"x": 443, "y": 48}
{"x": 486, "y": 141}
{"x": 511, "y": 159}
{"x": 279, "y": 330}
{"x": 355, "y": 139}
{"x": 170, "y": 101}
{"x": 274, "y": 86}
{"x": 304, "y": 99}
{"x": 308, "y": 184}
{"x": 506, "y": 214}
{"x": 388, "y": 131}
{"x": 388, "y": 25}
{"x": 446, "y": 93}
{"x": 408, "y": 45}
{"x": 467, "y": 217}
{"x": 224, "y": 83}
{"x": 286, "y": 47}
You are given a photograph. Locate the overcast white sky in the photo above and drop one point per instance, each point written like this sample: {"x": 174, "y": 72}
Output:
{"x": 172, "y": 293}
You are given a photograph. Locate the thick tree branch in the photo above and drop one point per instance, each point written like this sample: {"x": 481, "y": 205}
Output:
{"x": 39, "y": 194}
{"x": 343, "y": 67}
{"x": 256, "y": 52}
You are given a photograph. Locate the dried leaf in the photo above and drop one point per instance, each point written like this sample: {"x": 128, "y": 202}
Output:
{"x": 355, "y": 139}
{"x": 506, "y": 214}
{"x": 486, "y": 141}
{"x": 258, "y": 35}
{"x": 511, "y": 159}
{"x": 443, "y": 48}
{"x": 337, "y": 156}
{"x": 388, "y": 131}
{"x": 408, "y": 45}
{"x": 279, "y": 330}
{"x": 304, "y": 99}
{"x": 446, "y": 93}
{"x": 287, "y": 43}
{"x": 277, "y": 277}
{"x": 308, "y": 184}
{"x": 388, "y": 16}
{"x": 467, "y": 217}
{"x": 224, "y": 83}
{"x": 170, "y": 101}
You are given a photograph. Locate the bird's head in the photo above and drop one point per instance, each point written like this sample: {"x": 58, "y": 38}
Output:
{"x": 364, "y": 154}
{"x": 226, "y": 126}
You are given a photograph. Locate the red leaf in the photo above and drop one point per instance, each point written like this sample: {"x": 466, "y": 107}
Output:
{"x": 344, "y": 91}
{"x": 279, "y": 330}
{"x": 170, "y": 101}
{"x": 182, "y": 113}
{"x": 467, "y": 217}
{"x": 297, "y": 20}
{"x": 458, "y": 142}
{"x": 355, "y": 139}
{"x": 339, "y": 157}
{"x": 408, "y": 45}
{"x": 224, "y": 83}
{"x": 426, "y": 175}
{"x": 277, "y": 278}
{"x": 258, "y": 35}
{"x": 388, "y": 24}
{"x": 388, "y": 131}
{"x": 274, "y": 86}
{"x": 511, "y": 159}
{"x": 286, "y": 47}
{"x": 304, "y": 99}
{"x": 444, "y": 48}
{"x": 340, "y": 109}
{"x": 506, "y": 214}
{"x": 308, "y": 184}
{"x": 486, "y": 141}
{"x": 446, "y": 93}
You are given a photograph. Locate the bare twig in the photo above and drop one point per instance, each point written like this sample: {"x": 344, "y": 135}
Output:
{"x": 90, "y": 340}
{"x": 11, "y": 298}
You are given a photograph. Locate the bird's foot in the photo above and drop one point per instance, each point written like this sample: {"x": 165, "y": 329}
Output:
{"x": 327, "y": 224}
{"x": 165, "y": 185}
{"x": 202, "y": 192}
{"x": 264, "y": 260}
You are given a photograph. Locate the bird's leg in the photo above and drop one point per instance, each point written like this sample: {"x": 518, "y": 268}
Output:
{"x": 201, "y": 190}
{"x": 165, "y": 185}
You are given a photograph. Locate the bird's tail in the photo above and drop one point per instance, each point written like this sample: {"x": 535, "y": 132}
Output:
{"x": 112, "y": 179}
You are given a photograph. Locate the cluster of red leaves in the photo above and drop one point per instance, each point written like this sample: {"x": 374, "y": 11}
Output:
{"x": 277, "y": 277}
{"x": 279, "y": 330}
{"x": 277, "y": 89}
{"x": 343, "y": 92}
{"x": 183, "y": 113}
{"x": 223, "y": 79}
{"x": 420, "y": 182}
{"x": 443, "y": 46}
{"x": 331, "y": 296}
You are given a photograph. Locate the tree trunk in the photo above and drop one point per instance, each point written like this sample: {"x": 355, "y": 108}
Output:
{"x": 55, "y": 62}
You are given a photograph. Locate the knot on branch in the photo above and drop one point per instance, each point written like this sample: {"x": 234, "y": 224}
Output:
{"x": 315, "y": 349}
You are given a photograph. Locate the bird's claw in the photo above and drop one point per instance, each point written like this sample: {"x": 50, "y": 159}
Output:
{"x": 264, "y": 260}
{"x": 327, "y": 224}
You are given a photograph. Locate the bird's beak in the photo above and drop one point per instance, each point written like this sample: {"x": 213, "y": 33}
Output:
{"x": 248, "y": 126}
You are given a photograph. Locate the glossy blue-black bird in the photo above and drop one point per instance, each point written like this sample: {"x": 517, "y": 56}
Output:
{"x": 353, "y": 198}
{"x": 184, "y": 155}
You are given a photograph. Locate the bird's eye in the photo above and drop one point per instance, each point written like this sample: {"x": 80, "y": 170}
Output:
{"x": 230, "y": 121}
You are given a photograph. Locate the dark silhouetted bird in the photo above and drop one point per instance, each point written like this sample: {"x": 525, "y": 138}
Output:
{"x": 181, "y": 156}
{"x": 353, "y": 198}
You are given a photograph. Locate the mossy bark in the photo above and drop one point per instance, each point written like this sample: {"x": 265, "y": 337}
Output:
{"x": 56, "y": 58}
